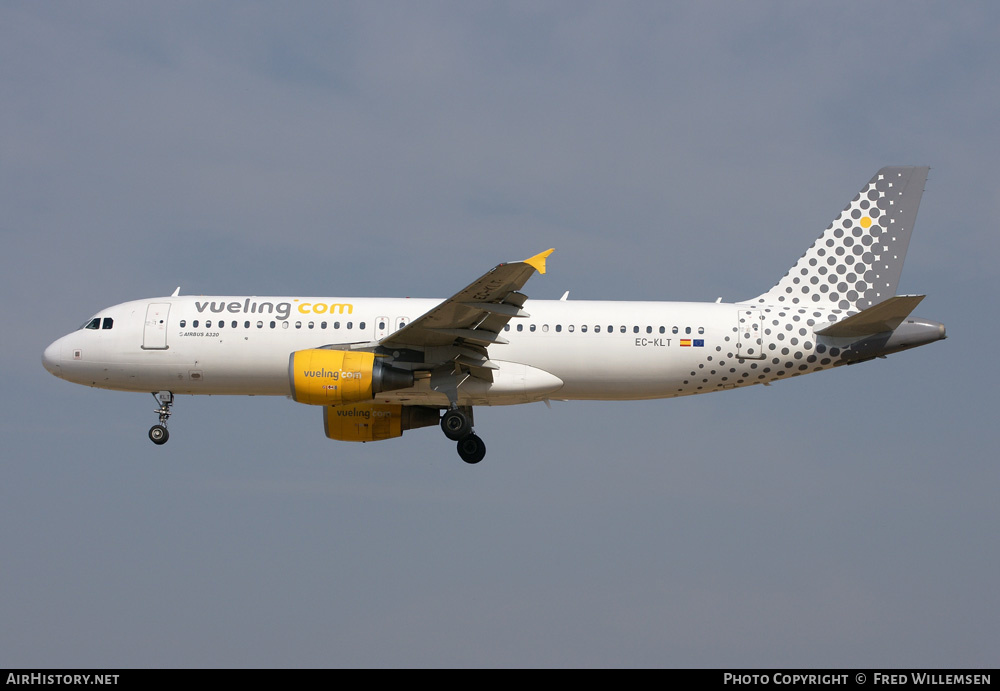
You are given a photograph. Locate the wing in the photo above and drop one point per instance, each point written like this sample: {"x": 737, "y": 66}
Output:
{"x": 472, "y": 319}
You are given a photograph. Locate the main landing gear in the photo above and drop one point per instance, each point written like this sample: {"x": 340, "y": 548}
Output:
{"x": 457, "y": 426}
{"x": 471, "y": 449}
{"x": 158, "y": 434}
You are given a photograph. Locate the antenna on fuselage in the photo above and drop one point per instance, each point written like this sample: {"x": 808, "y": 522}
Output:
{"x": 177, "y": 291}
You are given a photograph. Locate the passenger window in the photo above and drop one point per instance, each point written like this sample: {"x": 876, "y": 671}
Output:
{"x": 558, "y": 328}
{"x": 520, "y": 327}
{"x": 236, "y": 323}
{"x": 298, "y": 325}
{"x": 260, "y": 325}
{"x": 272, "y": 325}
{"x": 311, "y": 324}
{"x": 208, "y": 324}
{"x": 246, "y": 325}
{"x": 674, "y": 330}
{"x": 701, "y": 329}
{"x": 284, "y": 325}
{"x": 350, "y": 325}
{"x": 322, "y": 325}
{"x": 183, "y": 323}
{"x": 545, "y": 328}
{"x": 663, "y": 329}
{"x": 570, "y": 328}
{"x": 221, "y": 324}
{"x": 506, "y": 327}
{"x": 687, "y": 329}
{"x": 649, "y": 329}
{"x": 583, "y": 328}
{"x": 597, "y": 329}
{"x": 635, "y": 329}
{"x": 336, "y": 325}
{"x": 623, "y": 328}
{"x": 531, "y": 327}
{"x": 194, "y": 324}
{"x": 108, "y": 323}
{"x": 381, "y": 325}
{"x": 361, "y": 325}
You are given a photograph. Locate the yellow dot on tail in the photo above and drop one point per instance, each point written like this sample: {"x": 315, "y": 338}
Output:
{"x": 866, "y": 222}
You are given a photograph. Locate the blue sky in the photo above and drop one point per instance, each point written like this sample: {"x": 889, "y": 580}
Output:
{"x": 667, "y": 152}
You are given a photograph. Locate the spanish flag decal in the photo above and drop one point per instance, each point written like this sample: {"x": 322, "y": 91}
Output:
{"x": 685, "y": 342}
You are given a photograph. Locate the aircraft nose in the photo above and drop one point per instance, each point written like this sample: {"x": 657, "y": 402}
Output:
{"x": 52, "y": 356}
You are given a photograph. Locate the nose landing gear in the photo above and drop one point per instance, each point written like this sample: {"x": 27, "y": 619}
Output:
{"x": 158, "y": 434}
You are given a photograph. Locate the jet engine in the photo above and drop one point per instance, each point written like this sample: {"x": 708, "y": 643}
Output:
{"x": 334, "y": 377}
{"x": 374, "y": 421}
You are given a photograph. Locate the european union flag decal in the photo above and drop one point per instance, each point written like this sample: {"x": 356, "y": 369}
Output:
{"x": 699, "y": 343}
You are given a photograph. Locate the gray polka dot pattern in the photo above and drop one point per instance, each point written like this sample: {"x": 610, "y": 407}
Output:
{"x": 857, "y": 260}
{"x": 855, "y": 263}
{"x": 767, "y": 344}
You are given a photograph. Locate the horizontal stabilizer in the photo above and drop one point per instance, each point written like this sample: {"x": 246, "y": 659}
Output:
{"x": 884, "y": 316}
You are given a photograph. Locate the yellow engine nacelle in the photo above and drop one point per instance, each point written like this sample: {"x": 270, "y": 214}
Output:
{"x": 333, "y": 377}
{"x": 367, "y": 422}
{"x": 373, "y": 421}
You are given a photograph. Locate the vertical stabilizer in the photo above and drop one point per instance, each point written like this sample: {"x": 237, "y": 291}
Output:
{"x": 857, "y": 260}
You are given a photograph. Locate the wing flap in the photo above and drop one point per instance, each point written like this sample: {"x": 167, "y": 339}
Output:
{"x": 501, "y": 308}
{"x": 481, "y": 336}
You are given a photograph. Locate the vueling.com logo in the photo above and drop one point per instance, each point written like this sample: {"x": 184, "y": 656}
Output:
{"x": 282, "y": 310}
{"x": 334, "y": 374}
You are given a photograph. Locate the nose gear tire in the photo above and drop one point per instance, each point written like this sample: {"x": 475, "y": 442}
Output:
{"x": 158, "y": 434}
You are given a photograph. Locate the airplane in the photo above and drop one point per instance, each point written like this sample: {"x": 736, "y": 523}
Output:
{"x": 378, "y": 367}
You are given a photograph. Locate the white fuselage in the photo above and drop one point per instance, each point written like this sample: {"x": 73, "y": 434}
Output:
{"x": 564, "y": 350}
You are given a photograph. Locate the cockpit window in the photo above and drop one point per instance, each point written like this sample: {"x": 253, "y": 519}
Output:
{"x": 94, "y": 323}
{"x": 108, "y": 323}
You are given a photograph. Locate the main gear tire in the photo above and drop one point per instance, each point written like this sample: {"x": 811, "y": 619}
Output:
{"x": 456, "y": 425}
{"x": 471, "y": 449}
